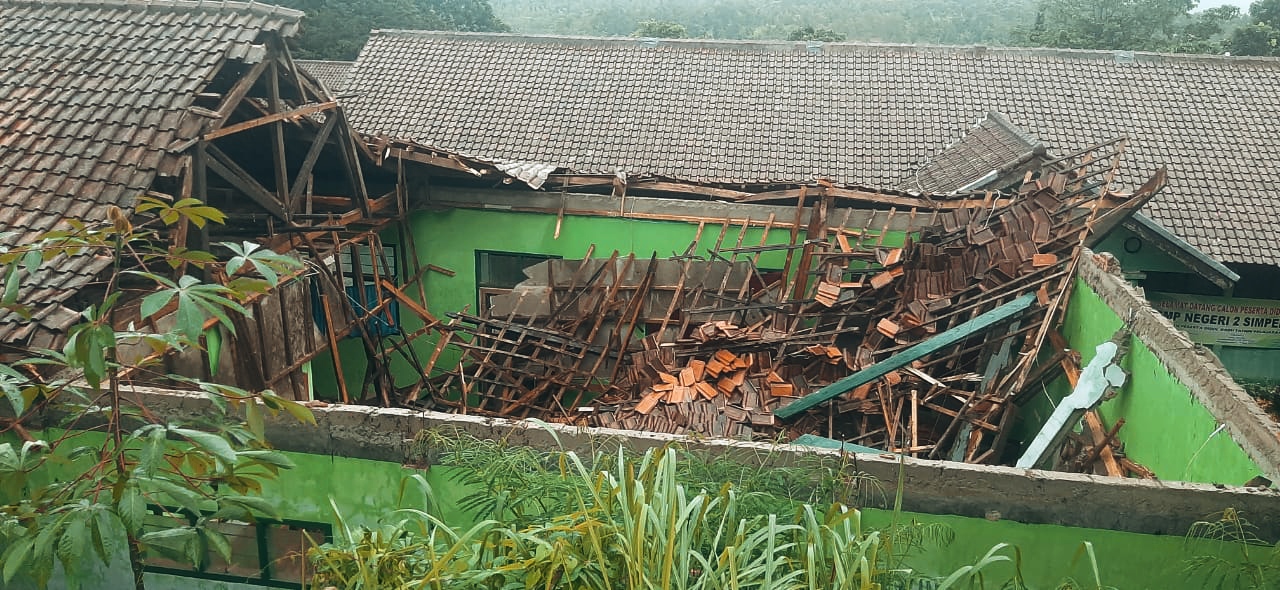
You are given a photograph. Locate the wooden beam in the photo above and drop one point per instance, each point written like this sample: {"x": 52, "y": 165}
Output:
{"x": 693, "y": 189}
{"x": 449, "y": 163}
{"x": 950, "y": 337}
{"x": 239, "y": 90}
{"x": 313, "y": 154}
{"x": 277, "y": 144}
{"x": 272, "y": 118}
{"x": 351, "y": 163}
{"x": 1102, "y": 443}
{"x": 224, "y": 166}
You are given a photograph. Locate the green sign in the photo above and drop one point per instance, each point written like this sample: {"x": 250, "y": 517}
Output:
{"x": 1253, "y": 323}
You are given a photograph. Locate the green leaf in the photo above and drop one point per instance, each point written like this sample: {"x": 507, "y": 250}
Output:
{"x": 253, "y": 416}
{"x": 219, "y": 543}
{"x": 103, "y": 543}
{"x": 214, "y": 444}
{"x": 11, "y": 283}
{"x": 269, "y": 457}
{"x": 153, "y": 447}
{"x": 15, "y": 557}
{"x": 131, "y": 509}
{"x": 155, "y": 302}
{"x": 300, "y": 412}
{"x": 31, "y": 261}
{"x": 252, "y": 504}
{"x": 73, "y": 542}
{"x": 190, "y": 322}
{"x": 186, "y": 498}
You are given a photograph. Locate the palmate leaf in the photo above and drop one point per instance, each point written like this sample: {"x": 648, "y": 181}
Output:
{"x": 264, "y": 261}
{"x": 191, "y": 209}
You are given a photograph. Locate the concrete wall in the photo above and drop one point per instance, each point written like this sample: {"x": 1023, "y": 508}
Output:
{"x": 933, "y": 487}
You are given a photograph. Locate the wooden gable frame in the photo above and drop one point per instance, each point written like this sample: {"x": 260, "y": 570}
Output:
{"x": 277, "y": 203}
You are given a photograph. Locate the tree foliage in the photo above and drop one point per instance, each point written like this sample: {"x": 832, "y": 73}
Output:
{"x": 1151, "y": 25}
{"x": 337, "y": 29}
{"x": 660, "y": 29}
{"x": 1262, "y": 35}
{"x": 917, "y": 21}
{"x": 809, "y": 33}
{"x": 79, "y": 489}
{"x": 1136, "y": 25}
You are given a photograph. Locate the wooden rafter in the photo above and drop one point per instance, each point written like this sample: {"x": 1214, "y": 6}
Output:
{"x": 238, "y": 91}
{"x": 309, "y": 163}
{"x": 222, "y": 165}
{"x": 271, "y": 118}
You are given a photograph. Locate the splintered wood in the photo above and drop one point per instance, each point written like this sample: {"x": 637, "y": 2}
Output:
{"x": 709, "y": 342}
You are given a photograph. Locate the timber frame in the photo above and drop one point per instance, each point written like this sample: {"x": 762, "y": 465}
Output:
{"x": 306, "y": 193}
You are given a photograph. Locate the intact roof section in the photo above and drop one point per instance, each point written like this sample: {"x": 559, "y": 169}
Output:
{"x": 91, "y": 95}
{"x": 991, "y": 148}
{"x": 333, "y": 74}
{"x": 851, "y": 113}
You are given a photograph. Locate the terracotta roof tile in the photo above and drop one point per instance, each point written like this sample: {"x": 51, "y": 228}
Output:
{"x": 852, "y": 113}
{"x": 333, "y": 74}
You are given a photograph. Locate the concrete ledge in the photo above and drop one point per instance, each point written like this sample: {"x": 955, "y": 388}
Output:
{"x": 1192, "y": 364}
{"x": 935, "y": 487}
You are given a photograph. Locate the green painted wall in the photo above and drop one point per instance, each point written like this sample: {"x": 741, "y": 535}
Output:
{"x": 1148, "y": 258}
{"x": 1166, "y": 428}
{"x": 1250, "y": 363}
{"x": 451, "y": 238}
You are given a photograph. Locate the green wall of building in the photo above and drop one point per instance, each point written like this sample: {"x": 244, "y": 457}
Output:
{"x": 1166, "y": 428}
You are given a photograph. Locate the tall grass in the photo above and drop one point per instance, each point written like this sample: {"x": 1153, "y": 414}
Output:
{"x": 653, "y": 521}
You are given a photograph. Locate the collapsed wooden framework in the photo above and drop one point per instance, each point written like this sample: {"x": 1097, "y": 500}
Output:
{"x": 276, "y": 155}
{"x": 706, "y": 342}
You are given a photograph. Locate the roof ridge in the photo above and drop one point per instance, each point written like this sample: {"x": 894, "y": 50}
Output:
{"x": 1018, "y": 131}
{"x": 252, "y": 6}
{"x": 841, "y": 47}
{"x": 347, "y": 62}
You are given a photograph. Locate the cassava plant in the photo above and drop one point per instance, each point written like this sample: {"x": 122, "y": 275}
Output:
{"x": 83, "y": 460}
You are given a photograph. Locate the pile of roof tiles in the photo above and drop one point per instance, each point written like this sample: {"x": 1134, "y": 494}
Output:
{"x": 919, "y": 348}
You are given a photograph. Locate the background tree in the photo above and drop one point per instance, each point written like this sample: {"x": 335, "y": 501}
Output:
{"x": 1153, "y": 25}
{"x": 808, "y": 33}
{"x": 1262, "y": 35}
{"x": 660, "y": 29}
{"x": 77, "y": 489}
{"x": 337, "y": 29}
{"x": 1144, "y": 25}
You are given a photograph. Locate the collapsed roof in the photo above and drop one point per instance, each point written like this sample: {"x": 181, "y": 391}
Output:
{"x": 854, "y": 114}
